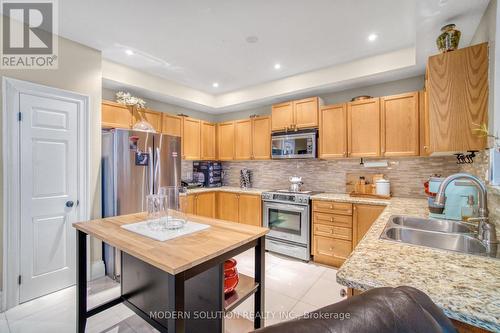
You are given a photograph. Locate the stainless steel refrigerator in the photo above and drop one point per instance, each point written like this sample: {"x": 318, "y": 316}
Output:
{"x": 134, "y": 164}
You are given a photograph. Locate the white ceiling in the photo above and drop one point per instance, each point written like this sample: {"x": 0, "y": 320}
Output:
{"x": 197, "y": 42}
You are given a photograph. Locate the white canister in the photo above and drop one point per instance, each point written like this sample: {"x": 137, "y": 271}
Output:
{"x": 383, "y": 187}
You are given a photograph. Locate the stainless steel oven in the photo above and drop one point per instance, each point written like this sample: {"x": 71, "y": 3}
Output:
{"x": 287, "y": 215}
{"x": 294, "y": 144}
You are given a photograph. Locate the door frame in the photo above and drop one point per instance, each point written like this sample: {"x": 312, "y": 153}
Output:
{"x": 11, "y": 90}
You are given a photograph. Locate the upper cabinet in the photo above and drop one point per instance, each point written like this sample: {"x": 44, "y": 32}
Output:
{"x": 363, "y": 128}
{"x": 171, "y": 125}
{"x": 296, "y": 115}
{"x": 115, "y": 115}
{"x": 282, "y": 116}
{"x": 243, "y": 139}
{"x": 208, "y": 139}
{"x": 225, "y": 141}
{"x": 152, "y": 117}
{"x": 457, "y": 93}
{"x": 191, "y": 139}
{"x": 261, "y": 138}
{"x": 333, "y": 131}
{"x": 400, "y": 130}
{"x": 306, "y": 113}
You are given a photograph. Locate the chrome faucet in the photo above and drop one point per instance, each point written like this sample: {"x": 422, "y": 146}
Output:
{"x": 486, "y": 230}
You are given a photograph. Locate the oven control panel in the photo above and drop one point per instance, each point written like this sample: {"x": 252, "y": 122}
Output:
{"x": 286, "y": 197}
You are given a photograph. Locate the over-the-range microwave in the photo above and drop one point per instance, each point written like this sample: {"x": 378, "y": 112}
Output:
{"x": 300, "y": 144}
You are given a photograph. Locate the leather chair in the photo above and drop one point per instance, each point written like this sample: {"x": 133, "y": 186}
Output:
{"x": 380, "y": 310}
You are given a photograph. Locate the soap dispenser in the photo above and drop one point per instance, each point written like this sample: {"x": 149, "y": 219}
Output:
{"x": 469, "y": 210}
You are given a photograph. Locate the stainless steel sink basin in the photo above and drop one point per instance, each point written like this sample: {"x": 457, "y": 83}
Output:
{"x": 439, "y": 234}
{"x": 431, "y": 224}
{"x": 445, "y": 241}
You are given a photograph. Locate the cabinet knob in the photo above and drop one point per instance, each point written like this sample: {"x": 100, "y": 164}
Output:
{"x": 426, "y": 147}
{"x": 331, "y": 219}
{"x": 331, "y": 206}
{"x": 343, "y": 292}
{"x": 70, "y": 204}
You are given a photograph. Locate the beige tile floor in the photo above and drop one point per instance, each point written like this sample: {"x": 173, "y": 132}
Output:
{"x": 292, "y": 289}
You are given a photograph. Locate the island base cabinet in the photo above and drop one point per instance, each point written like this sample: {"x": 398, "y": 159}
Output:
{"x": 331, "y": 251}
{"x": 153, "y": 295}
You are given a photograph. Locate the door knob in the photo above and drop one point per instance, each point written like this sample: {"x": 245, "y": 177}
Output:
{"x": 69, "y": 204}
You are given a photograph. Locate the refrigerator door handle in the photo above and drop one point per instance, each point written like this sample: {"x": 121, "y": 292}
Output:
{"x": 150, "y": 180}
{"x": 157, "y": 170}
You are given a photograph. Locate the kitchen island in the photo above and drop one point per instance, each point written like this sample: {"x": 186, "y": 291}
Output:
{"x": 175, "y": 285}
{"x": 466, "y": 287}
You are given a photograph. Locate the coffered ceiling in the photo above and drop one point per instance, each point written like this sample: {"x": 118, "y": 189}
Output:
{"x": 318, "y": 45}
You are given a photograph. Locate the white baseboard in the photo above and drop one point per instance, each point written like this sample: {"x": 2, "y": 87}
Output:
{"x": 97, "y": 269}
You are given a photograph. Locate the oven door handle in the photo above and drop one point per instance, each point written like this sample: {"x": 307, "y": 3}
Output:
{"x": 286, "y": 206}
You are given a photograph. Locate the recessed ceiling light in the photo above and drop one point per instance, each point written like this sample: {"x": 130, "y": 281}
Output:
{"x": 277, "y": 66}
{"x": 129, "y": 52}
{"x": 252, "y": 39}
{"x": 215, "y": 85}
{"x": 372, "y": 37}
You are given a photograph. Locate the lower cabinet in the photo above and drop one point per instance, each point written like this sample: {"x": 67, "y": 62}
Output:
{"x": 331, "y": 251}
{"x": 363, "y": 218}
{"x": 202, "y": 204}
{"x": 228, "y": 206}
{"x": 338, "y": 227}
{"x": 250, "y": 209}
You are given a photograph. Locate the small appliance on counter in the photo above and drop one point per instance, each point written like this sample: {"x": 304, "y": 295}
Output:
{"x": 212, "y": 172}
{"x": 193, "y": 180}
{"x": 461, "y": 198}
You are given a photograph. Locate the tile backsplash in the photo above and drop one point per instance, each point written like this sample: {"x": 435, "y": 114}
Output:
{"x": 407, "y": 175}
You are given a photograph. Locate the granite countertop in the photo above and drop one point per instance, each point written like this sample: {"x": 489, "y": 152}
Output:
{"x": 232, "y": 189}
{"x": 466, "y": 287}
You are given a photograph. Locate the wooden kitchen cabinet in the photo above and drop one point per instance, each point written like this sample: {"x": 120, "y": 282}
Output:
{"x": 363, "y": 128}
{"x": 191, "y": 139}
{"x": 457, "y": 89}
{"x": 282, "y": 116}
{"x": 187, "y": 203}
{"x": 227, "y": 206}
{"x": 261, "y": 138}
{"x": 296, "y": 114}
{"x": 208, "y": 140}
{"x": 333, "y": 131}
{"x": 362, "y": 220}
{"x": 243, "y": 139}
{"x": 424, "y": 130}
{"x": 150, "y": 116}
{"x": 250, "y": 209}
{"x": 399, "y": 125}
{"x": 225, "y": 141}
{"x": 114, "y": 115}
{"x": 332, "y": 226}
{"x": 205, "y": 204}
{"x": 331, "y": 251}
{"x": 171, "y": 125}
{"x": 306, "y": 113}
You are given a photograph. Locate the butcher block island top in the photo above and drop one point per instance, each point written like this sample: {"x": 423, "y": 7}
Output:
{"x": 175, "y": 255}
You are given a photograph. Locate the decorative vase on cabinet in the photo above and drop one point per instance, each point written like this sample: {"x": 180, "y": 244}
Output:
{"x": 449, "y": 38}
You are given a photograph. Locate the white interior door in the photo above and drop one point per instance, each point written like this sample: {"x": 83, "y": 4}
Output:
{"x": 49, "y": 163}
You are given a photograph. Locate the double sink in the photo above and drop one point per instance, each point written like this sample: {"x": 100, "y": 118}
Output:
{"x": 441, "y": 234}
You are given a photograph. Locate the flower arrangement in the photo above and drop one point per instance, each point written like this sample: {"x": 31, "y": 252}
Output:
{"x": 125, "y": 98}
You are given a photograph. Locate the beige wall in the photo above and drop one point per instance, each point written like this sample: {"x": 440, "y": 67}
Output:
{"x": 79, "y": 71}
